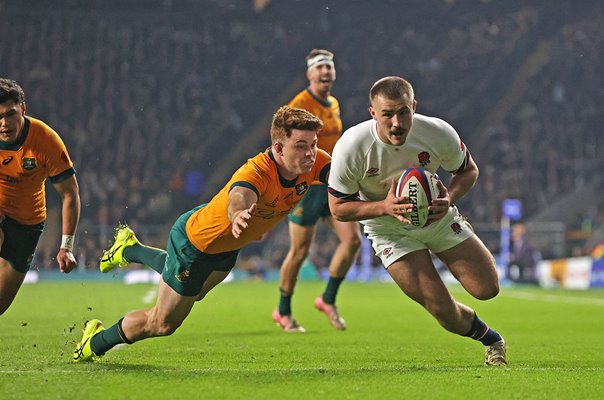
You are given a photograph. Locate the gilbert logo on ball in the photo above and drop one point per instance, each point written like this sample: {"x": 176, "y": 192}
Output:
{"x": 419, "y": 186}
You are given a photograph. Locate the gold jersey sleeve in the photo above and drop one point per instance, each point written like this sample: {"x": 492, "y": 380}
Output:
{"x": 24, "y": 166}
{"x": 209, "y": 228}
{"x": 328, "y": 112}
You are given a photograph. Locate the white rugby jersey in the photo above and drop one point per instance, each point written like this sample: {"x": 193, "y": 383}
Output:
{"x": 361, "y": 163}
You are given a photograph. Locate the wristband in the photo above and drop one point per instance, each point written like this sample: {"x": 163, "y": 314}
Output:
{"x": 67, "y": 242}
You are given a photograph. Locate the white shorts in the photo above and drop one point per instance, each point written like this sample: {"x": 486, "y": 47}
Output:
{"x": 390, "y": 245}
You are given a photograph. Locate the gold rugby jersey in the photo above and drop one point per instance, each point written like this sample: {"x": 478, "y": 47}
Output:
{"x": 39, "y": 153}
{"x": 209, "y": 228}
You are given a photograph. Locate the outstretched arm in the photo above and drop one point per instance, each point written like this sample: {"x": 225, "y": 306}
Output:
{"x": 70, "y": 197}
{"x": 242, "y": 203}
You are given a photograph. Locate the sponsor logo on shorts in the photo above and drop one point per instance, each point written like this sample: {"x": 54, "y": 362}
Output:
{"x": 183, "y": 276}
{"x": 387, "y": 252}
{"x": 456, "y": 228}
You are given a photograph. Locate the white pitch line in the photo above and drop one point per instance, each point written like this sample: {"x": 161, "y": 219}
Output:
{"x": 73, "y": 370}
{"x": 553, "y": 298}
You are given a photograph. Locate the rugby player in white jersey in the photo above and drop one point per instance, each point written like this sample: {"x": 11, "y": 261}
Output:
{"x": 367, "y": 160}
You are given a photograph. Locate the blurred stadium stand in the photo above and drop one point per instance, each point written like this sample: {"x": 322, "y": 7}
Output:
{"x": 159, "y": 101}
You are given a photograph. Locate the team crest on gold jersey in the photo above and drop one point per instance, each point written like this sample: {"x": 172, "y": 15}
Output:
{"x": 28, "y": 163}
{"x": 301, "y": 188}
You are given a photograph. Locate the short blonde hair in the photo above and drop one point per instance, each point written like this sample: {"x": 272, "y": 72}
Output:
{"x": 288, "y": 118}
{"x": 391, "y": 87}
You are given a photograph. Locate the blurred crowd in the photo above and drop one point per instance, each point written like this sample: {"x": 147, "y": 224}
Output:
{"x": 152, "y": 99}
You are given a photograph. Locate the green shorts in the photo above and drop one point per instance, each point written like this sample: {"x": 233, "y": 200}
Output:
{"x": 187, "y": 268}
{"x": 313, "y": 206}
{"x": 20, "y": 243}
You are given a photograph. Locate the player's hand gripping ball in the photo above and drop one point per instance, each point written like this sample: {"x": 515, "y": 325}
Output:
{"x": 420, "y": 187}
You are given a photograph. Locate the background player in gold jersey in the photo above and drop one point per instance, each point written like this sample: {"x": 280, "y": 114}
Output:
{"x": 204, "y": 242}
{"x": 30, "y": 152}
{"x": 317, "y": 99}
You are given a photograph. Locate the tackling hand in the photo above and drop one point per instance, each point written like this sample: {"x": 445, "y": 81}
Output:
{"x": 240, "y": 220}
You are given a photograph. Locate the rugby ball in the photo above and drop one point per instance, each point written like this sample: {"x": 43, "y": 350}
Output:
{"x": 419, "y": 186}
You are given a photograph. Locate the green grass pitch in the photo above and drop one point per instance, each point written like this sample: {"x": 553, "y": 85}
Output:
{"x": 229, "y": 347}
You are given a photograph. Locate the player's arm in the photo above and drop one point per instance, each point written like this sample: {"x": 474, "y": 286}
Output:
{"x": 463, "y": 179}
{"x": 70, "y": 197}
{"x": 242, "y": 203}
{"x": 351, "y": 208}
{"x": 461, "y": 182}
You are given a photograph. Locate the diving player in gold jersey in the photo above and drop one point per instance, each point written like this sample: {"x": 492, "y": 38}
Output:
{"x": 30, "y": 152}
{"x": 204, "y": 242}
{"x": 317, "y": 99}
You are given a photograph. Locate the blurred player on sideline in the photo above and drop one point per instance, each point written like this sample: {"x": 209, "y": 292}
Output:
{"x": 30, "y": 152}
{"x": 394, "y": 139}
{"x": 317, "y": 99}
{"x": 204, "y": 242}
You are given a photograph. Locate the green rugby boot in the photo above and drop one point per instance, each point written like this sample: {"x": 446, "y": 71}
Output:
{"x": 83, "y": 351}
{"x": 124, "y": 237}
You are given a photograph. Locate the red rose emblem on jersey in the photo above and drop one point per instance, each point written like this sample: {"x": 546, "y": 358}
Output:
{"x": 424, "y": 158}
